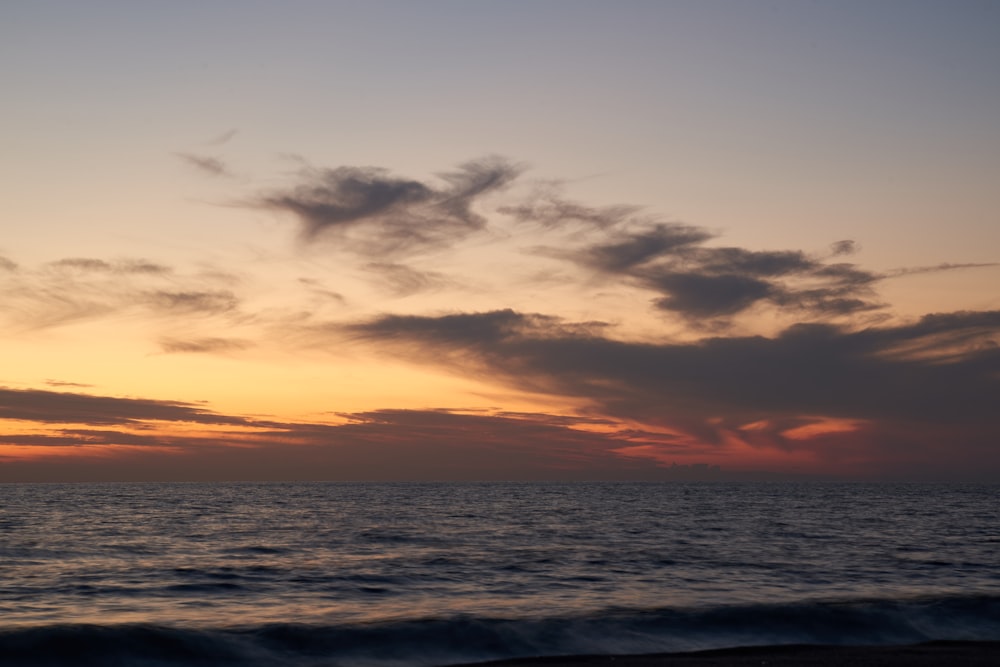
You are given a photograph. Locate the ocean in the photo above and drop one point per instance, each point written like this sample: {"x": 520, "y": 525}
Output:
{"x": 298, "y": 574}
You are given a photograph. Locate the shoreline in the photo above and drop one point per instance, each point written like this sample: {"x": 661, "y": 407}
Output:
{"x": 927, "y": 654}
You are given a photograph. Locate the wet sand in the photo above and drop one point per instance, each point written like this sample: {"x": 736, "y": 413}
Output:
{"x": 932, "y": 654}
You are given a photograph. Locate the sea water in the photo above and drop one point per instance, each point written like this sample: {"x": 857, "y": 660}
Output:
{"x": 431, "y": 574}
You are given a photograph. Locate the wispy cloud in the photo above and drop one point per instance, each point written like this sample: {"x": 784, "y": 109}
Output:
{"x": 94, "y": 265}
{"x": 64, "y": 383}
{"x": 402, "y": 280}
{"x": 206, "y": 163}
{"x": 202, "y": 345}
{"x": 81, "y": 264}
{"x": 937, "y": 268}
{"x": 223, "y": 138}
{"x": 369, "y": 210}
{"x": 317, "y": 289}
{"x": 546, "y": 206}
{"x": 78, "y": 289}
{"x": 209, "y": 302}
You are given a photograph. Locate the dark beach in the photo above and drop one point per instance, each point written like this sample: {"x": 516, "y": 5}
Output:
{"x": 930, "y": 654}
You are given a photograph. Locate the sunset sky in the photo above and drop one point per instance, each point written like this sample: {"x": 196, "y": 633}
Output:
{"x": 500, "y": 240}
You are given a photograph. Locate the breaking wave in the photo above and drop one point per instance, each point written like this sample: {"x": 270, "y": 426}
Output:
{"x": 465, "y": 639}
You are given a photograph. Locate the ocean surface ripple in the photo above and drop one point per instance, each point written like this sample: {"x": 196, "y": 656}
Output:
{"x": 431, "y": 574}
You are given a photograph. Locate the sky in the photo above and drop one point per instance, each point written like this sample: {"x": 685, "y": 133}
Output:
{"x": 544, "y": 240}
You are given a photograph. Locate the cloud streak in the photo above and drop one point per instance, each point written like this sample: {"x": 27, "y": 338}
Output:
{"x": 423, "y": 444}
{"x": 50, "y": 407}
{"x": 202, "y": 345}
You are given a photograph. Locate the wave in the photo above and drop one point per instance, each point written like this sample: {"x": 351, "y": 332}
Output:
{"x": 464, "y": 639}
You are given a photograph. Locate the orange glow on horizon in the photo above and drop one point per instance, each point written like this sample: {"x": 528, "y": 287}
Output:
{"x": 824, "y": 426}
{"x": 29, "y": 453}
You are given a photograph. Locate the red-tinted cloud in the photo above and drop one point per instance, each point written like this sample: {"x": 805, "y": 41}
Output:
{"x": 933, "y": 382}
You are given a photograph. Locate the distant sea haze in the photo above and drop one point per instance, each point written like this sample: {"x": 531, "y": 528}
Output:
{"x": 434, "y": 574}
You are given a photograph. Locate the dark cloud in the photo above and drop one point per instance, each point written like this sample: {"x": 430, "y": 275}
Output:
{"x": 843, "y": 273}
{"x": 946, "y": 336}
{"x": 202, "y": 345}
{"x": 721, "y": 282}
{"x": 845, "y": 247}
{"x": 7, "y": 264}
{"x": 709, "y": 285}
{"x": 754, "y": 382}
{"x": 81, "y": 438}
{"x": 706, "y": 284}
{"x": 460, "y": 329}
{"x": 941, "y": 370}
{"x": 739, "y": 261}
{"x": 838, "y": 300}
{"x": 371, "y": 210}
{"x": 698, "y": 295}
{"x": 73, "y": 408}
{"x": 374, "y": 445}
{"x": 629, "y": 250}
{"x": 206, "y": 163}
